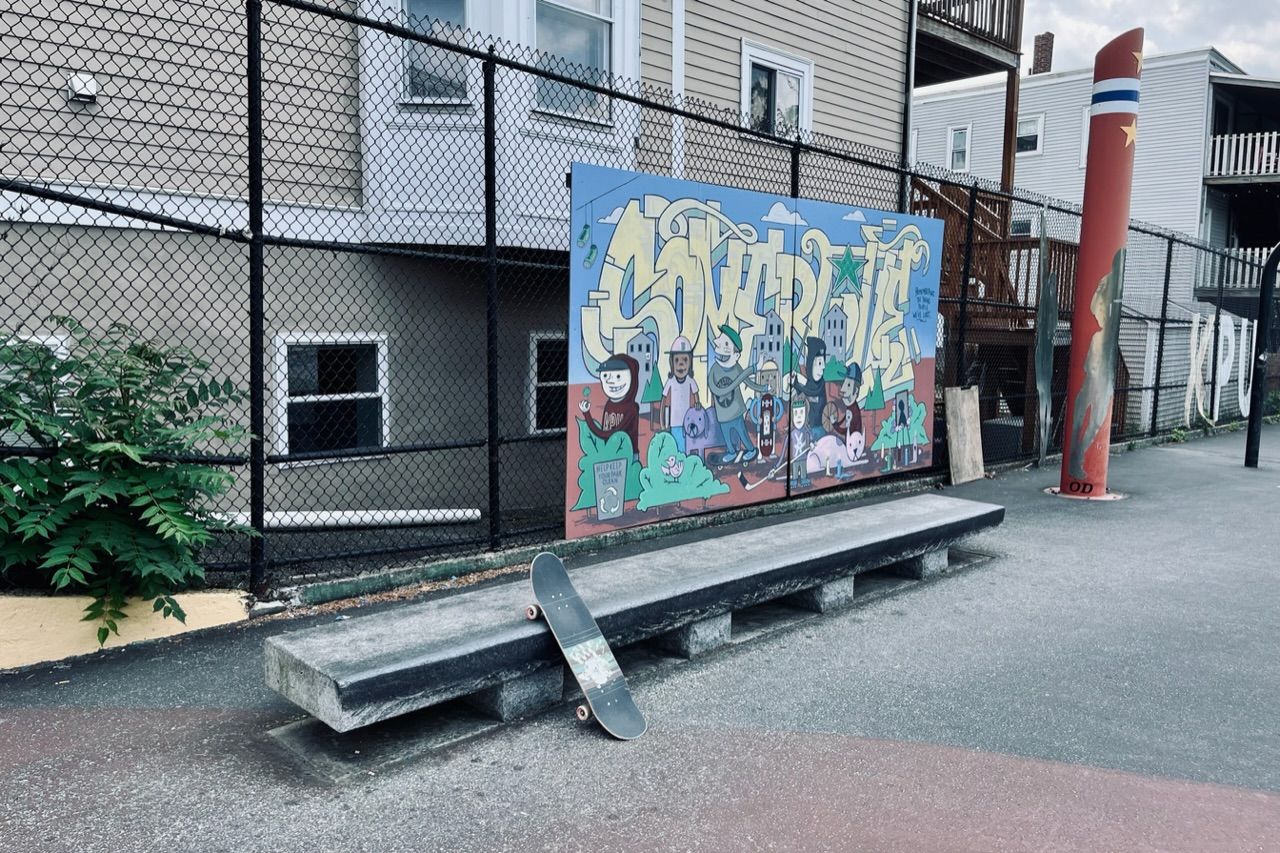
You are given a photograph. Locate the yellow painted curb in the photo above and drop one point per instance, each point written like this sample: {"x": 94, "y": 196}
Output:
{"x": 38, "y": 628}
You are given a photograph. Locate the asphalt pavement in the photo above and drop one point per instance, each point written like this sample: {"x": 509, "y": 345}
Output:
{"x": 1100, "y": 676}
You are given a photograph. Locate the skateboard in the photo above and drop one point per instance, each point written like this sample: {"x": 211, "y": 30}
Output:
{"x": 585, "y": 649}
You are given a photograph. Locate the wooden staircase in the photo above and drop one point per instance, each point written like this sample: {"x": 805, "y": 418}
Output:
{"x": 1000, "y": 305}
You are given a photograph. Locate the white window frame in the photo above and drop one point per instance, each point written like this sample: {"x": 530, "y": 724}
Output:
{"x": 968, "y": 147}
{"x": 1039, "y": 149}
{"x": 281, "y": 343}
{"x": 1084, "y": 136}
{"x": 756, "y": 53}
{"x": 618, "y": 65}
{"x": 475, "y": 16}
{"x": 532, "y": 383}
{"x": 1030, "y": 223}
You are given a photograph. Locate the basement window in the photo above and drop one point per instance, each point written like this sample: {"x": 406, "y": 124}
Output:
{"x": 334, "y": 394}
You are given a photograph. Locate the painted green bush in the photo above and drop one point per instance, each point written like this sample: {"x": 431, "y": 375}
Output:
{"x": 671, "y": 477}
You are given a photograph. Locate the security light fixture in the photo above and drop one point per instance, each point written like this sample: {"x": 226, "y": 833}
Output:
{"x": 82, "y": 89}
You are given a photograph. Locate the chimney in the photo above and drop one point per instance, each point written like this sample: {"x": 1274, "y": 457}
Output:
{"x": 1042, "y": 55}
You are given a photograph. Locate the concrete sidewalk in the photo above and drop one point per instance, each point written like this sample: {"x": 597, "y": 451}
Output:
{"x": 1109, "y": 679}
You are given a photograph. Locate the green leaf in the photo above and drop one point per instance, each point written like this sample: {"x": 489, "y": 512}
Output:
{"x": 103, "y": 633}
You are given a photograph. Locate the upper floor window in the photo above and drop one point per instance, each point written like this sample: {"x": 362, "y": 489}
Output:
{"x": 579, "y": 32}
{"x": 958, "y": 148}
{"x": 777, "y": 90}
{"x": 1030, "y": 132}
{"x": 430, "y": 74}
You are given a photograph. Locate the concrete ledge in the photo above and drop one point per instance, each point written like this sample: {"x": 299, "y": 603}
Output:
{"x": 698, "y": 638}
{"x": 375, "y": 667}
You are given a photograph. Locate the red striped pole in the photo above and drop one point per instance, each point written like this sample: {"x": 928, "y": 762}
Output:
{"x": 1104, "y": 228}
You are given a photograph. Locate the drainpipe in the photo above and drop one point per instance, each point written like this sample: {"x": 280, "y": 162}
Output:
{"x": 904, "y": 185}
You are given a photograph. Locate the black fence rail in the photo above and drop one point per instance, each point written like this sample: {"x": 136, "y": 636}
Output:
{"x": 364, "y": 223}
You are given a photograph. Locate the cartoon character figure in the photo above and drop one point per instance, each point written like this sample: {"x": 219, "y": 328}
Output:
{"x": 801, "y": 439}
{"x": 680, "y": 393}
{"x": 811, "y": 384}
{"x": 618, "y": 380}
{"x": 849, "y": 416}
{"x": 726, "y": 379}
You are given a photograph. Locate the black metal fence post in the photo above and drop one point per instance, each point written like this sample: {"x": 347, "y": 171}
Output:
{"x": 1262, "y": 340}
{"x": 795, "y": 193}
{"x": 257, "y": 333}
{"x": 966, "y": 268}
{"x": 491, "y": 299}
{"x": 1164, "y": 320}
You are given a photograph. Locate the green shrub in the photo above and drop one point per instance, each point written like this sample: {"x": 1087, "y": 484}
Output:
{"x": 112, "y": 506}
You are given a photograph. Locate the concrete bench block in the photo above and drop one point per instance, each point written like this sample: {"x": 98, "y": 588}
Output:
{"x": 697, "y": 638}
{"x": 824, "y": 597}
{"x": 923, "y": 566}
{"x": 479, "y": 644}
{"x": 521, "y": 697}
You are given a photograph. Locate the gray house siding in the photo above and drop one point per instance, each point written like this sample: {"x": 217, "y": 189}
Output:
{"x": 1168, "y": 163}
{"x": 170, "y": 115}
{"x": 189, "y": 290}
{"x": 859, "y": 56}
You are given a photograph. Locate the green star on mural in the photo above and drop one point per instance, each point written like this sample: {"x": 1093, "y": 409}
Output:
{"x": 848, "y": 269}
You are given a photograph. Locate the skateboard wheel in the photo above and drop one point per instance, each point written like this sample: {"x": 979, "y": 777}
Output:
{"x": 583, "y": 713}
{"x": 531, "y": 612}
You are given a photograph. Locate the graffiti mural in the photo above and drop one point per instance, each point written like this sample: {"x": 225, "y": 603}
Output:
{"x": 729, "y": 347}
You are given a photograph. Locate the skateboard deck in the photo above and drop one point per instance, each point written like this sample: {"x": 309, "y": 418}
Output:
{"x": 585, "y": 649}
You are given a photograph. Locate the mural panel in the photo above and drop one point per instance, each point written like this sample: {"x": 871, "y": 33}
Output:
{"x": 729, "y": 347}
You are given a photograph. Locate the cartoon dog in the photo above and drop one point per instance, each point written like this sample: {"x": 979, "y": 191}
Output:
{"x": 701, "y": 432}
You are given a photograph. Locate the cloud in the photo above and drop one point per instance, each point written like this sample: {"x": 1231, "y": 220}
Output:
{"x": 779, "y": 214}
{"x": 612, "y": 218}
{"x": 1247, "y": 36}
{"x": 856, "y": 216}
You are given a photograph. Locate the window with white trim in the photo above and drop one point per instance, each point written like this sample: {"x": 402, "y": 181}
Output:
{"x": 1029, "y": 135}
{"x": 1020, "y": 228}
{"x": 571, "y": 33}
{"x": 547, "y": 387}
{"x": 334, "y": 393}
{"x": 777, "y": 90}
{"x": 958, "y": 148}
{"x": 432, "y": 75}
{"x": 1084, "y": 137}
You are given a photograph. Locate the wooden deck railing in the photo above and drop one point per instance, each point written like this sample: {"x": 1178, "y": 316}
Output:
{"x": 1239, "y": 155}
{"x": 998, "y": 21}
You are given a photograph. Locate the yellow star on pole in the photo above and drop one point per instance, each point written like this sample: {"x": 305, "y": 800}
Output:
{"x": 1137, "y": 58}
{"x": 1130, "y": 132}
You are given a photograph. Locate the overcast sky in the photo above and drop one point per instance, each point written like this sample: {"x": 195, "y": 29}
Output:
{"x": 1246, "y": 31}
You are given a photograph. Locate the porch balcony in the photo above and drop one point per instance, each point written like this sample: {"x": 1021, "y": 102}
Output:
{"x": 957, "y": 39}
{"x": 1239, "y": 158}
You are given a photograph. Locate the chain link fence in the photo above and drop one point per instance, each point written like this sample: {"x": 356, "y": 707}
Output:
{"x": 363, "y": 223}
